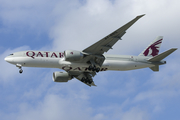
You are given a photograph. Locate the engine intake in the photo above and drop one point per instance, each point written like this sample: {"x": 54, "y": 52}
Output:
{"x": 61, "y": 77}
{"x": 72, "y": 55}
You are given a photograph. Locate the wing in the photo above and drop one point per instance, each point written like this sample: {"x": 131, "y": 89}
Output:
{"x": 107, "y": 42}
{"x": 85, "y": 77}
{"x": 94, "y": 53}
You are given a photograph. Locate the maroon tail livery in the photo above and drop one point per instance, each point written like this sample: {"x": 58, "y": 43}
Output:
{"x": 153, "y": 49}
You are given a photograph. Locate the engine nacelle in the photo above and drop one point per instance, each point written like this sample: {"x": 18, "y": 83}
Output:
{"x": 61, "y": 77}
{"x": 72, "y": 55}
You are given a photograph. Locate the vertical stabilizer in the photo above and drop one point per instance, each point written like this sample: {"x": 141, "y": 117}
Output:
{"x": 153, "y": 49}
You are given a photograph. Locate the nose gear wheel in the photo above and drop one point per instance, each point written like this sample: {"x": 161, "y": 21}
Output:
{"x": 20, "y": 71}
{"x": 20, "y": 67}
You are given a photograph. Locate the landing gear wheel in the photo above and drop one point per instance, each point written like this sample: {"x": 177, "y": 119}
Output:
{"x": 97, "y": 69}
{"x": 90, "y": 81}
{"x": 94, "y": 68}
{"x": 83, "y": 79}
{"x": 90, "y": 67}
{"x": 20, "y": 71}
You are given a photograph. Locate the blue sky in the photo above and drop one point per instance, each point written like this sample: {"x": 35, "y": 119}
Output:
{"x": 75, "y": 24}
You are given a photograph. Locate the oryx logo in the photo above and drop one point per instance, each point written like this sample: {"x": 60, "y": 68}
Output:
{"x": 153, "y": 49}
{"x": 71, "y": 53}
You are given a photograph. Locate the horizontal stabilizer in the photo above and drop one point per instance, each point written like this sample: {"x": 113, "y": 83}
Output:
{"x": 155, "y": 68}
{"x": 162, "y": 55}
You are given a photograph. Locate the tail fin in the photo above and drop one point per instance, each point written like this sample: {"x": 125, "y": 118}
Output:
{"x": 153, "y": 49}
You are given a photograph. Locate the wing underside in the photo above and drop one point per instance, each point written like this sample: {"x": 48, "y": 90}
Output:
{"x": 107, "y": 42}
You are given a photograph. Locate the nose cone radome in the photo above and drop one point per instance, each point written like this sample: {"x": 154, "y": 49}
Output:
{"x": 8, "y": 59}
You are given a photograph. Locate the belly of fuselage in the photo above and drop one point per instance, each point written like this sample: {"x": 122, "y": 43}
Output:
{"x": 74, "y": 66}
{"x": 126, "y": 65}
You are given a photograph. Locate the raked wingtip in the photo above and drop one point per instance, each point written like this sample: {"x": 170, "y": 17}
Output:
{"x": 141, "y": 15}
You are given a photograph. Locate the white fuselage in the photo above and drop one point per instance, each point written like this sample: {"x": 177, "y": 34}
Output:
{"x": 57, "y": 60}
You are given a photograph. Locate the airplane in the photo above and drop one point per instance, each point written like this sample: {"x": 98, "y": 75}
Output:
{"x": 84, "y": 65}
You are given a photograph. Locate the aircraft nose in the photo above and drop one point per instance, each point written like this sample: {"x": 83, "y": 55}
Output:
{"x": 8, "y": 59}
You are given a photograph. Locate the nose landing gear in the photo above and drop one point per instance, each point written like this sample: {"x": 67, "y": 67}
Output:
{"x": 20, "y": 71}
{"x": 20, "y": 67}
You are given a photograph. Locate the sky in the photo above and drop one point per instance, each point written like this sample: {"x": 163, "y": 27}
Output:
{"x": 58, "y": 25}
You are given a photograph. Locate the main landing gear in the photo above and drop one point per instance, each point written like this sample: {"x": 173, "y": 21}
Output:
{"x": 20, "y": 67}
{"x": 93, "y": 68}
{"x": 86, "y": 80}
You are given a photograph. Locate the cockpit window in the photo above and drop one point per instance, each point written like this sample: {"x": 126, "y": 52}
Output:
{"x": 11, "y": 54}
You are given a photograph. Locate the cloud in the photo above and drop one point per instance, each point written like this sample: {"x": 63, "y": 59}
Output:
{"x": 89, "y": 22}
{"x": 24, "y": 13}
{"x": 53, "y": 107}
{"x": 161, "y": 87}
{"x": 68, "y": 106}
{"x": 80, "y": 25}
{"x": 135, "y": 113}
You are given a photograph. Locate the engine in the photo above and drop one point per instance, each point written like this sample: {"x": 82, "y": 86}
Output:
{"x": 72, "y": 55}
{"x": 61, "y": 77}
